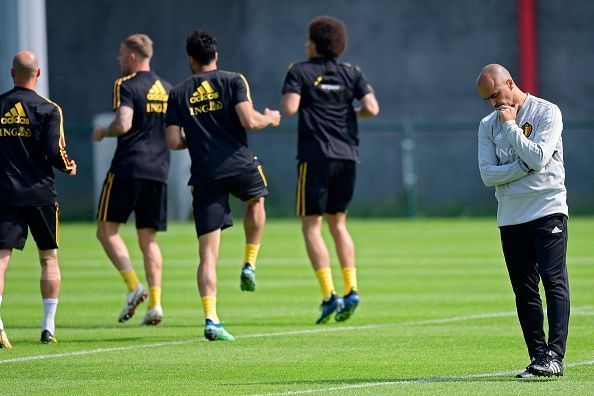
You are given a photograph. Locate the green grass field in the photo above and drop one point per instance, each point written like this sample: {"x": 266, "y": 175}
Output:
{"x": 437, "y": 316}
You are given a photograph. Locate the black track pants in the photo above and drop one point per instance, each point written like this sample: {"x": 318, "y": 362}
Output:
{"x": 533, "y": 251}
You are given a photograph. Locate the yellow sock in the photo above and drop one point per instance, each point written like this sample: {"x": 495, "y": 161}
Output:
{"x": 209, "y": 305}
{"x": 131, "y": 280}
{"x": 154, "y": 297}
{"x": 350, "y": 279}
{"x": 251, "y": 254}
{"x": 324, "y": 276}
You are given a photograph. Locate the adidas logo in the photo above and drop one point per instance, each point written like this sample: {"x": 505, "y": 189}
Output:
{"x": 157, "y": 92}
{"x": 556, "y": 367}
{"x": 16, "y": 115}
{"x": 204, "y": 92}
{"x": 556, "y": 230}
{"x": 498, "y": 137}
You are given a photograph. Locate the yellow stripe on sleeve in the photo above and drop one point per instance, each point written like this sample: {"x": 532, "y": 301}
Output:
{"x": 68, "y": 164}
{"x": 116, "y": 93}
{"x": 247, "y": 87}
{"x": 117, "y": 86}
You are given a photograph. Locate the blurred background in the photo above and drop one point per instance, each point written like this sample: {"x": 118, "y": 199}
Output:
{"x": 418, "y": 158}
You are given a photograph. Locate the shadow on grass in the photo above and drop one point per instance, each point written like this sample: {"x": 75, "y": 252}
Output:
{"x": 373, "y": 382}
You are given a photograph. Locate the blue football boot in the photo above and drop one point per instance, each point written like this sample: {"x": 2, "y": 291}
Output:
{"x": 216, "y": 332}
{"x": 328, "y": 307}
{"x": 248, "y": 278}
{"x": 350, "y": 303}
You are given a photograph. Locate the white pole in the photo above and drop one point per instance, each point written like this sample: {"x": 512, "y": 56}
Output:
{"x": 32, "y": 36}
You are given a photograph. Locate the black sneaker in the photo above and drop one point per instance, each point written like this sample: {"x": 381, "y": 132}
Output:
{"x": 526, "y": 373}
{"x": 547, "y": 364}
{"x": 47, "y": 337}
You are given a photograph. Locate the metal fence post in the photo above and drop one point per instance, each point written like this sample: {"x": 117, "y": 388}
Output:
{"x": 409, "y": 176}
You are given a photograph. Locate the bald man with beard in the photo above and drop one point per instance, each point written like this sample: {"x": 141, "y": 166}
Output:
{"x": 31, "y": 145}
{"x": 520, "y": 153}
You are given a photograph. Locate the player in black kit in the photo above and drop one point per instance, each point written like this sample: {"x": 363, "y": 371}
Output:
{"x": 31, "y": 143}
{"x": 137, "y": 179}
{"x": 214, "y": 108}
{"x": 322, "y": 91}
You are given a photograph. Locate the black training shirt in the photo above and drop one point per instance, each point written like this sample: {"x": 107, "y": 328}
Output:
{"x": 31, "y": 142}
{"x": 142, "y": 152}
{"x": 327, "y": 119}
{"x": 204, "y": 106}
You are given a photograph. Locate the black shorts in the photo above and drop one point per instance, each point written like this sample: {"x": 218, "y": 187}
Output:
{"x": 122, "y": 195}
{"x": 325, "y": 186}
{"x": 211, "y": 200}
{"x": 42, "y": 220}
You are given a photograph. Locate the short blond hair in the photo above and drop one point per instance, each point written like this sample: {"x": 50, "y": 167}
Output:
{"x": 141, "y": 44}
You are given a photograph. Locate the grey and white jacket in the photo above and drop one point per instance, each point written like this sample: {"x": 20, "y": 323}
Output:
{"x": 523, "y": 160}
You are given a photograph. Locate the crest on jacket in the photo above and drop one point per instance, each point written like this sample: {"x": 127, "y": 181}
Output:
{"x": 527, "y": 129}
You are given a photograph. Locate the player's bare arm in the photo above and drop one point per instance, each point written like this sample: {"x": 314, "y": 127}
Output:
{"x": 252, "y": 119}
{"x": 176, "y": 139}
{"x": 369, "y": 106}
{"x": 290, "y": 103}
{"x": 119, "y": 126}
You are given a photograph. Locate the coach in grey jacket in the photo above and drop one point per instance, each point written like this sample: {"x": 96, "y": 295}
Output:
{"x": 520, "y": 153}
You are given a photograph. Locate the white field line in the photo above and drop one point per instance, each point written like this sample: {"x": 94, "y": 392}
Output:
{"x": 411, "y": 381}
{"x": 321, "y": 329}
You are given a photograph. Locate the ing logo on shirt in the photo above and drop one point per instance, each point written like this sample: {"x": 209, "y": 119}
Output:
{"x": 17, "y": 118}
{"x": 527, "y": 129}
{"x": 157, "y": 98}
{"x": 204, "y": 99}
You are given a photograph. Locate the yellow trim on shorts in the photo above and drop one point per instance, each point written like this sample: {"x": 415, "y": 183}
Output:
{"x": 263, "y": 176}
{"x": 105, "y": 194}
{"x": 301, "y": 189}
{"x": 57, "y": 224}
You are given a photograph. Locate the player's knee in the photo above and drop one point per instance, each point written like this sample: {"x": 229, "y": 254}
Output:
{"x": 337, "y": 228}
{"x": 101, "y": 234}
{"x": 337, "y": 222}
{"x": 51, "y": 273}
{"x": 256, "y": 203}
{"x": 49, "y": 265}
{"x": 146, "y": 237}
{"x": 104, "y": 232}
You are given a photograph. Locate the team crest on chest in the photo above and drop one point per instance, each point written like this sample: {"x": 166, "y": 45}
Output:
{"x": 527, "y": 129}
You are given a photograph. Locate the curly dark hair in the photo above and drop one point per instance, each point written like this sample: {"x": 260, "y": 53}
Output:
{"x": 202, "y": 46}
{"x": 328, "y": 35}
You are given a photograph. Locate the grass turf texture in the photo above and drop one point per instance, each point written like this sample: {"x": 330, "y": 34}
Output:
{"x": 437, "y": 315}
